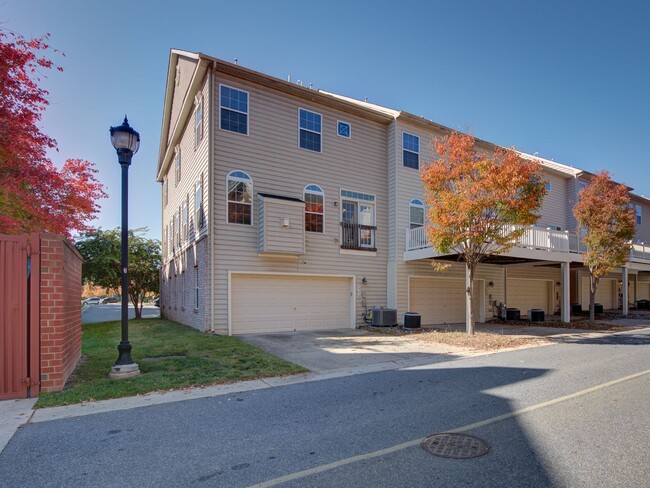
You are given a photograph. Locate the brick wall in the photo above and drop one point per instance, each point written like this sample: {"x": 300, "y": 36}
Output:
{"x": 60, "y": 335}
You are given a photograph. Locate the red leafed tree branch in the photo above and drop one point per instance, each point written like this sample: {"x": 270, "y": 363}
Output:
{"x": 35, "y": 196}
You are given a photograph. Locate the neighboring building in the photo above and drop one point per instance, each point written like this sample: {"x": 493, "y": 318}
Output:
{"x": 286, "y": 208}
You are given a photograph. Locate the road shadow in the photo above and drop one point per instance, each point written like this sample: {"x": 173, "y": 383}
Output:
{"x": 246, "y": 438}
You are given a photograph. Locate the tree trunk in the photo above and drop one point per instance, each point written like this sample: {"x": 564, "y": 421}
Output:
{"x": 138, "y": 309}
{"x": 593, "y": 284}
{"x": 469, "y": 297}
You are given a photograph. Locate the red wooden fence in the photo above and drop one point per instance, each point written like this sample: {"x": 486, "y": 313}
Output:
{"x": 19, "y": 315}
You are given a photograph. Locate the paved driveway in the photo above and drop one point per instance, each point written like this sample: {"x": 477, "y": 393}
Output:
{"x": 346, "y": 348}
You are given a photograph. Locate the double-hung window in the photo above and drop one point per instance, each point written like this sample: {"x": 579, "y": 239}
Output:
{"x": 185, "y": 232}
{"x": 240, "y": 198}
{"x": 198, "y": 121}
{"x": 310, "y": 128}
{"x": 177, "y": 166}
{"x": 416, "y": 214}
{"x": 314, "y": 198}
{"x": 410, "y": 150}
{"x": 234, "y": 110}
{"x": 637, "y": 209}
{"x": 198, "y": 203}
{"x": 357, "y": 221}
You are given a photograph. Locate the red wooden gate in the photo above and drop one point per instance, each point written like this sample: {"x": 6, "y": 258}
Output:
{"x": 19, "y": 316}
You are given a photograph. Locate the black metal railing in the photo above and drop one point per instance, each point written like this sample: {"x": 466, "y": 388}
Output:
{"x": 358, "y": 237}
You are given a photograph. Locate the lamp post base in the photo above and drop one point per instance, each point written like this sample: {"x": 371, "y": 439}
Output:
{"x": 121, "y": 371}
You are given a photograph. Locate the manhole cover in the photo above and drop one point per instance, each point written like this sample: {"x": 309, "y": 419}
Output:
{"x": 455, "y": 446}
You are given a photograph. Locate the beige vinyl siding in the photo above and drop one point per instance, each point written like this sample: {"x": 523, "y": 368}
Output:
{"x": 271, "y": 156}
{"x": 643, "y": 231}
{"x": 571, "y": 200}
{"x": 553, "y": 211}
{"x": 394, "y": 257}
{"x": 274, "y": 236}
{"x": 194, "y": 163}
{"x": 187, "y": 67}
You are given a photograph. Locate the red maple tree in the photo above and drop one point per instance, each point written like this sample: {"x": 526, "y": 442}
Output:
{"x": 35, "y": 196}
{"x": 604, "y": 214}
{"x": 479, "y": 203}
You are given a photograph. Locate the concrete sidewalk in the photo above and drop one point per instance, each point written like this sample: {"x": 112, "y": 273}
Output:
{"x": 13, "y": 414}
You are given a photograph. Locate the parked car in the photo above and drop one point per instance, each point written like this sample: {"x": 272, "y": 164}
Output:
{"x": 156, "y": 301}
{"x": 92, "y": 301}
{"x": 113, "y": 299}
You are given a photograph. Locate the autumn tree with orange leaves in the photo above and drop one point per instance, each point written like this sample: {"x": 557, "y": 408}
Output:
{"x": 478, "y": 203}
{"x": 34, "y": 194}
{"x": 604, "y": 212}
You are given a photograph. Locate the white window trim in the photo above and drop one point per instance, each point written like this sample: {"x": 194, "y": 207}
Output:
{"x": 312, "y": 192}
{"x": 237, "y": 178}
{"x": 548, "y": 185}
{"x": 178, "y": 165}
{"x": 413, "y": 203}
{"x": 198, "y": 103}
{"x": 357, "y": 200}
{"x": 308, "y": 130}
{"x": 418, "y": 153}
{"x": 198, "y": 206}
{"x": 248, "y": 117}
{"x": 349, "y": 136}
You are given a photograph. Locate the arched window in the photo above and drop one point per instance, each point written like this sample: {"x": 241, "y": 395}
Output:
{"x": 314, "y": 200}
{"x": 416, "y": 213}
{"x": 239, "y": 198}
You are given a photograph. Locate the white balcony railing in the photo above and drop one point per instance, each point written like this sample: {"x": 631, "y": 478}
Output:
{"x": 536, "y": 238}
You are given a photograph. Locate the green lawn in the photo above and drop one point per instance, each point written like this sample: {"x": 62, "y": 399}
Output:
{"x": 208, "y": 359}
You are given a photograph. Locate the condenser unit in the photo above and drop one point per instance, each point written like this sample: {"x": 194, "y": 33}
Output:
{"x": 384, "y": 317}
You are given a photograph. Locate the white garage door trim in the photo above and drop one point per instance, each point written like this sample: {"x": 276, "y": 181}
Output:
{"x": 479, "y": 292}
{"x": 550, "y": 303}
{"x": 353, "y": 286}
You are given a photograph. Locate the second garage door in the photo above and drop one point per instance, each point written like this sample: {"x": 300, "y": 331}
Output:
{"x": 644, "y": 290}
{"x": 527, "y": 294}
{"x": 441, "y": 301}
{"x": 604, "y": 293}
{"x": 277, "y": 303}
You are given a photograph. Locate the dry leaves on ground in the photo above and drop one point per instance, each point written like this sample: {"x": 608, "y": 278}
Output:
{"x": 480, "y": 341}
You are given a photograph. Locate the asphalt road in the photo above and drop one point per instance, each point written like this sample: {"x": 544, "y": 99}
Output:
{"x": 567, "y": 415}
{"x": 113, "y": 311}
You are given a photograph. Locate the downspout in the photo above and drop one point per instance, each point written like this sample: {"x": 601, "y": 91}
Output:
{"x": 211, "y": 191}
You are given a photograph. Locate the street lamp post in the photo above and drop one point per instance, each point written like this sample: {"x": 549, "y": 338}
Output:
{"x": 126, "y": 142}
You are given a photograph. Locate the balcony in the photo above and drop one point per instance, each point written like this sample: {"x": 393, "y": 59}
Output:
{"x": 535, "y": 243}
{"x": 358, "y": 237}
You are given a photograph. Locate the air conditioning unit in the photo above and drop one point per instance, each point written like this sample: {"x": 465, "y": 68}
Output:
{"x": 384, "y": 317}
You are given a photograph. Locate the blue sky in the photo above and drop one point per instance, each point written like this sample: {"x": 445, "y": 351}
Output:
{"x": 569, "y": 80}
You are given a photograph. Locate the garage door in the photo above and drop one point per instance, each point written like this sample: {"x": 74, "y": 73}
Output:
{"x": 276, "y": 303}
{"x": 527, "y": 294}
{"x": 604, "y": 293}
{"x": 644, "y": 291}
{"x": 440, "y": 301}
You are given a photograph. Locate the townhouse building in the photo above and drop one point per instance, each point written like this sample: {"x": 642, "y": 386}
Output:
{"x": 286, "y": 208}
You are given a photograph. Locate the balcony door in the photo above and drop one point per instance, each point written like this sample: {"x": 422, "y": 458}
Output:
{"x": 358, "y": 225}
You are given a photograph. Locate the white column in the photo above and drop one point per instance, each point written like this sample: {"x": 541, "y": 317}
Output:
{"x": 565, "y": 303}
{"x": 626, "y": 290}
